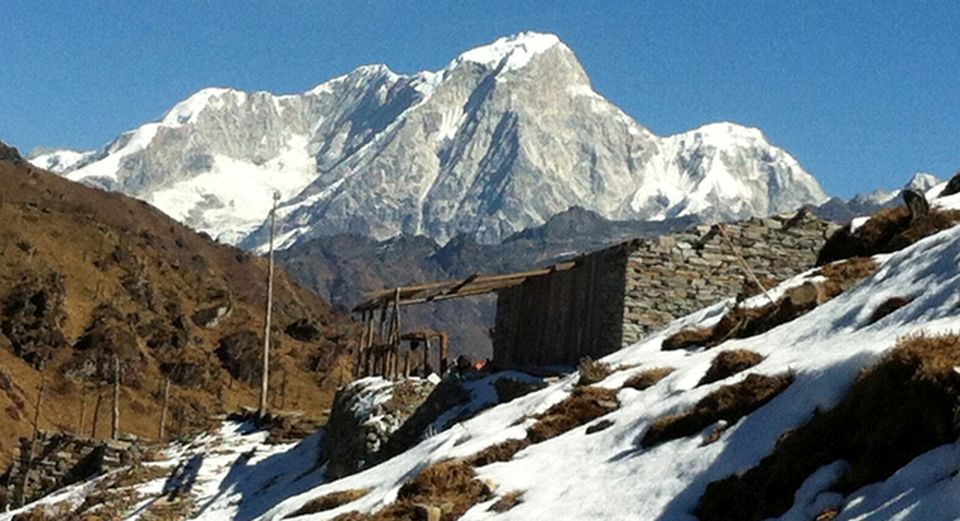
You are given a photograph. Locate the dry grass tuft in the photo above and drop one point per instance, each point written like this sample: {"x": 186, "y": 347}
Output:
{"x": 592, "y": 371}
{"x": 743, "y": 322}
{"x": 647, "y": 378}
{"x": 450, "y": 486}
{"x": 330, "y": 501}
{"x": 688, "y": 338}
{"x": 728, "y": 403}
{"x": 496, "y": 453}
{"x": 507, "y": 502}
{"x": 887, "y": 231}
{"x": 887, "y": 307}
{"x": 584, "y": 405}
{"x": 845, "y": 274}
{"x": 451, "y": 483}
{"x": 54, "y": 512}
{"x": 601, "y": 425}
{"x": 509, "y": 389}
{"x": 729, "y": 363}
{"x": 900, "y": 408}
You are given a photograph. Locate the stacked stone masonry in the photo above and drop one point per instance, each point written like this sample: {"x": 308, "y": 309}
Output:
{"x": 678, "y": 274}
{"x": 61, "y": 459}
{"x": 618, "y": 296}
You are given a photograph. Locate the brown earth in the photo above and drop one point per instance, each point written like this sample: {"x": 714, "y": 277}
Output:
{"x": 87, "y": 275}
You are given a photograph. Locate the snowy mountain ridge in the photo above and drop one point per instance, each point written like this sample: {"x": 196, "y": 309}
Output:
{"x": 501, "y": 139}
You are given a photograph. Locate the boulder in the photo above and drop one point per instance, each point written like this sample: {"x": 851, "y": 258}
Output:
{"x": 916, "y": 202}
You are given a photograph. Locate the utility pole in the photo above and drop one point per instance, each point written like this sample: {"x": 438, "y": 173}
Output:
{"x": 163, "y": 411}
{"x": 115, "y": 419}
{"x": 265, "y": 374}
{"x": 22, "y": 496}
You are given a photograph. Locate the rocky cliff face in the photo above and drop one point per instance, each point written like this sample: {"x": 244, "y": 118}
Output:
{"x": 504, "y": 137}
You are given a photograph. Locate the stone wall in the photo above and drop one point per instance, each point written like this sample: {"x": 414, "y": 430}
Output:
{"x": 61, "y": 459}
{"x": 677, "y": 274}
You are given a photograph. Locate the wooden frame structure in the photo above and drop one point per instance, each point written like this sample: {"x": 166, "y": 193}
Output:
{"x": 379, "y": 350}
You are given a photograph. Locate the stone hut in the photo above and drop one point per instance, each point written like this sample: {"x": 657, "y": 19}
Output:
{"x": 617, "y": 296}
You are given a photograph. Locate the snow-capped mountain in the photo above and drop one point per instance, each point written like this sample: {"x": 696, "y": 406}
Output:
{"x": 59, "y": 161}
{"x": 879, "y": 198}
{"x": 504, "y": 137}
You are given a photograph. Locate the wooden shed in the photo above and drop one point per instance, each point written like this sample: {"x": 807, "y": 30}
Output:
{"x": 602, "y": 301}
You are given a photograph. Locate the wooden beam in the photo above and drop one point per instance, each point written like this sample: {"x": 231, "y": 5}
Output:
{"x": 460, "y": 287}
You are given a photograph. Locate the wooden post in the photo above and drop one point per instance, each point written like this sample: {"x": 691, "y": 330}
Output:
{"x": 406, "y": 364}
{"x": 33, "y": 442}
{"x": 444, "y": 339}
{"x": 426, "y": 357}
{"x": 96, "y": 414}
{"x": 36, "y": 410}
{"x": 395, "y": 341}
{"x": 163, "y": 409}
{"x": 283, "y": 390}
{"x": 265, "y": 373}
{"x": 83, "y": 412}
{"x": 382, "y": 333}
{"x": 360, "y": 344}
{"x": 369, "y": 343}
{"x": 115, "y": 423}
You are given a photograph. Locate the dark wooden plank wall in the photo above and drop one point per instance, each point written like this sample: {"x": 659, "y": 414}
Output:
{"x": 559, "y": 318}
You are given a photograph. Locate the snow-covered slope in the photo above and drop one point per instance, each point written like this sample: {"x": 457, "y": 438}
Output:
{"x": 504, "y": 137}
{"x": 608, "y": 475}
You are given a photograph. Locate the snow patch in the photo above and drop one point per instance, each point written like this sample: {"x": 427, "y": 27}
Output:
{"x": 517, "y": 50}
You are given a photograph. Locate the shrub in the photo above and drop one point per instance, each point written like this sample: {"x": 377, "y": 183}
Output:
{"x": 845, "y": 274}
{"x": 584, "y": 405}
{"x": 510, "y": 389}
{"x": 450, "y": 483}
{"x": 503, "y": 451}
{"x": 508, "y": 501}
{"x": 450, "y": 486}
{"x": 887, "y": 307}
{"x": 647, "y": 378}
{"x": 902, "y": 407}
{"x": 728, "y": 403}
{"x": 330, "y": 501}
{"x": 591, "y": 371}
{"x": 729, "y": 363}
{"x": 687, "y": 338}
{"x": 887, "y": 231}
{"x": 601, "y": 425}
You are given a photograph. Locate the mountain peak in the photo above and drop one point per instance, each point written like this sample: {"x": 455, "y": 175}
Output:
{"x": 517, "y": 50}
{"x": 922, "y": 181}
{"x": 183, "y": 112}
{"x": 725, "y": 132}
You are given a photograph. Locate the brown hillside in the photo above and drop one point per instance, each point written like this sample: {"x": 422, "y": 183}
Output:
{"x": 86, "y": 275}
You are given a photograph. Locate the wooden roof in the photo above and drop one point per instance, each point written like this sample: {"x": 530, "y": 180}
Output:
{"x": 476, "y": 284}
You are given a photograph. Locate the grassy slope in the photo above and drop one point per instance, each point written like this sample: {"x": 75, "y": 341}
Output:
{"x": 70, "y": 230}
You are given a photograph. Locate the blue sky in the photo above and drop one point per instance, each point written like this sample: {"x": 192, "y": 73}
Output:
{"x": 862, "y": 93}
